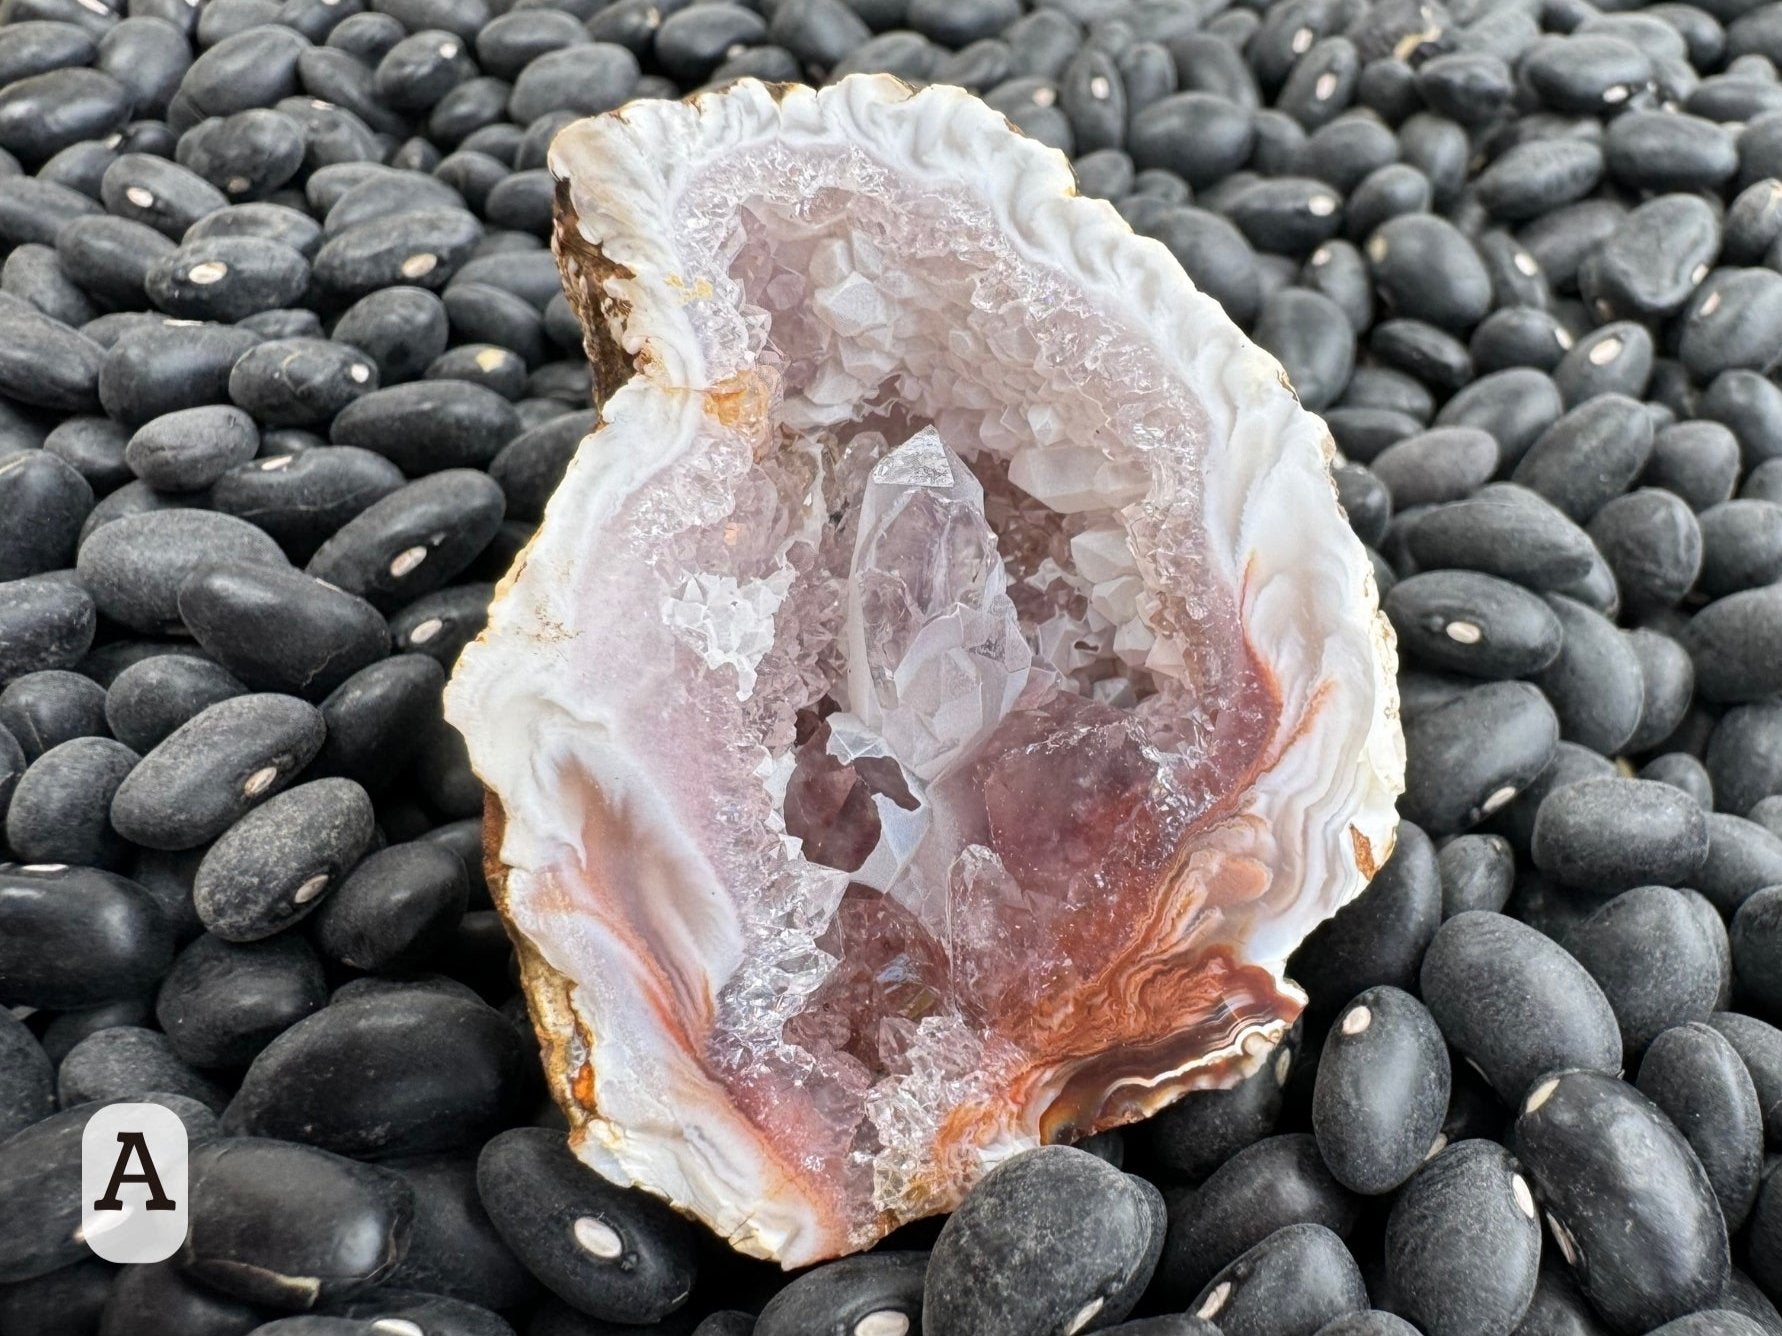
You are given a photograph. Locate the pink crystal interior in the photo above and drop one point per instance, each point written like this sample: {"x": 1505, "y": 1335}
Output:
{"x": 944, "y": 564}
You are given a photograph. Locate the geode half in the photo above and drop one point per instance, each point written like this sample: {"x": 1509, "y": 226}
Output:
{"x": 943, "y": 689}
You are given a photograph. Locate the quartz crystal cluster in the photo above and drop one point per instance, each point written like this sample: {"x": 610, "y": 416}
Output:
{"x": 942, "y": 691}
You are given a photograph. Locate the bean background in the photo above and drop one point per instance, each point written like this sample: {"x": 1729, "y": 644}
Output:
{"x": 286, "y": 379}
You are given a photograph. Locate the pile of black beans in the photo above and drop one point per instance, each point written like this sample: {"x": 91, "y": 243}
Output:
{"x": 286, "y": 378}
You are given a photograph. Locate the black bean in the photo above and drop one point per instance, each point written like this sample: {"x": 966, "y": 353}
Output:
{"x": 41, "y": 46}
{"x": 1469, "y": 757}
{"x": 248, "y": 155}
{"x": 1736, "y": 642}
{"x": 227, "y": 278}
{"x": 1629, "y": 1202}
{"x": 1653, "y": 544}
{"x": 110, "y": 258}
{"x": 34, "y": 210}
{"x": 280, "y": 630}
{"x": 693, "y": 41}
{"x": 1433, "y": 356}
{"x": 300, "y": 382}
{"x": 35, "y": 275}
{"x": 191, "y": 448}
{"x": 27, "y": 1078}
{"x": 146, "y": 374}
{"x": 1477, "y": 872}
{"x": 212, "y": 769}
{"x": 1276, "y": 1182}
{"x": 1698, "y": 1079}
{"x": 133, "y": 566}
{"x": 395, "y": 909}
{"x": 483, "y": 313}
{"x": 840, "y": 1295}
{"x": 1463, "y": 1247}
{"x": 451, "y": 1073}
{"x": 1734, "y": 321}
{"x": 274, "y": 864}
{"x": 1199, "y": 1132}
{"x": 1365, "y": 501}
{"x": 291, "y": 1226}
{"x": 1472, "y": 623}
{"x": 128, "y": 1062}
{"x": 1743, "y": 857}
{"x": 1537, "y": 177}
{"x": 284, "y": 323}
{"x": 442, "y": 623}
{"x": 40, "y": 1173}
{"x": 1753, "y": 222}
{"x": 222, "y": 1002}
{"x": 617, "y": 1254}
{"x": 1744, "y": 755}
{"x": 1433, "y": 467}
{"x": 1699, "y": 461}
{"x": 45, "y": 709}
{"x": 1586, "y": 74}
{"x": 274, "y": 222}
{"x": 1594, "y": 684}
{"x": 1518, "y": 336}
{"x": 1425, "y": 269}
{"x": 1741, "y": 546}
{"x": 57, "y": 499}
{"x": 1465, "y": 86}
{"x": 454, "y": 1249}
{"x": 414, "y": 540}
{"x": 1381, "y": 1092}
{"x": 1614, "y": 359}
{"x": 46, "y": 621}
{"x": 77, "y": 937}
{"x": 58, "y": 810}
{"x": 1515, "y": 406}
{"x": 160, "y": 194}
{"x": 1590, "y": 455}
{"x": 1337, "y": 270}
{"x": 1605, "y": 835}
{"x": 1514, "y": 1003}
{"x": 1296, "y": 1281}
{"x": 403, "y": 329}
{"x": 1659, "y": 956}
{"x": 1667, "y": 677}
{"x": 301, "y": 499}
{"x": 1748, "y": 405}
{"x": 422, "y": 247}
{"x": 45, "y": 363}
{"x": 905, "y": 55}
{"x": 1322, "y": 82}
{"x": 1215, "y": 256}
{"x": 374, "y": 719}
{"x": 44, "y": 113}
{"x": 1665, "y": 150}
{"x": 1199, "y": 136}
{"x": 509, "y": 42}
{"x": 1380, "y": 936}
{"x": 254, "y": 68}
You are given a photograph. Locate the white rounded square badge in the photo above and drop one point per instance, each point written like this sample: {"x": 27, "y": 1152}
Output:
{"x": 133, "y": 1183}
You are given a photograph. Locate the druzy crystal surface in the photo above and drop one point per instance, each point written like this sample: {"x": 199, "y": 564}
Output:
{"x": 943, "y": 689}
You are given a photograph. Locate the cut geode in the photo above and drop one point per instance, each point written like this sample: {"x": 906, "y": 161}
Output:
{"x": 942, "y": 691}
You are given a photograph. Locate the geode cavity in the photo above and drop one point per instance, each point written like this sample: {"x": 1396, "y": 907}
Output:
{"x": 943, "y": 689}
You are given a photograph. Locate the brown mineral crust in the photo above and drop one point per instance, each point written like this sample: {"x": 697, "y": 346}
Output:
{"x": 588, "y": 298}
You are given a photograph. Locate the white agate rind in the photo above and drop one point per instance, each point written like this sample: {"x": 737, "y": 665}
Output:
{"x": 537, "y": 696}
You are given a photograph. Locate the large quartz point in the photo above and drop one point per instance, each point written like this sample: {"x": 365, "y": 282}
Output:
{"x": 942, "y": 691}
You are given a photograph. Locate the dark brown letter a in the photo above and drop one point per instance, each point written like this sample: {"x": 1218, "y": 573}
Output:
{"x": 157, "y": 1199}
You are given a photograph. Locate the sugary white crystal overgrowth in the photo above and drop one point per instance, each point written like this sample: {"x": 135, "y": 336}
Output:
{"x": 940, "y": 694}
